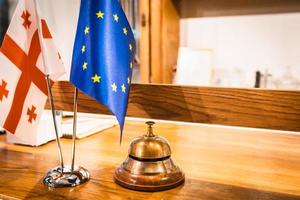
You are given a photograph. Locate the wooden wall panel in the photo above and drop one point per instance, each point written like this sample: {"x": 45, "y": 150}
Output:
{"x": 156, "y": 42}
{"x": 159, "y": 40}
{"x": 145, "y": 40}
{"x": 170, "y": 40}
{"x": 207, "y": 8}
{"x": 237, "y": 107}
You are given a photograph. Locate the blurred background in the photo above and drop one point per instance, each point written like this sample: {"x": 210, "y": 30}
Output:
{"x": 219, "y": 43}
{"x": 4, "y": 18}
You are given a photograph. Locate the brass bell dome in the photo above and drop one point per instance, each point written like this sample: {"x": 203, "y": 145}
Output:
{"x": 149, "y": 146}
{"x": 149, "y": 166}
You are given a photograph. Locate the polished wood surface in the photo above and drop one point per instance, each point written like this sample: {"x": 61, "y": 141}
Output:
{"x": 219, "y": 163}
{"x": 210, "y": 8}
{"x": 271, "y": 109}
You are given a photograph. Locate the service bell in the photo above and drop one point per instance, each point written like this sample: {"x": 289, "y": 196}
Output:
{"x": 149, "y": 166}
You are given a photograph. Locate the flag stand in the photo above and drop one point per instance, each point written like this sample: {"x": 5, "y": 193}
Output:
{"x": 65, "y": 176}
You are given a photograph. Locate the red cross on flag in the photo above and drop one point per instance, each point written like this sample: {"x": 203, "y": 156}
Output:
{"x": 27, "y": 55}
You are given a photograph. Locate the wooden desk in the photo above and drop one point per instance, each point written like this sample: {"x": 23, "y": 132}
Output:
{"x": 220, "y": 163}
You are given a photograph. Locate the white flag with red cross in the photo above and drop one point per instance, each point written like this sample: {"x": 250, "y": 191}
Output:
{"x": 27, "y": 54}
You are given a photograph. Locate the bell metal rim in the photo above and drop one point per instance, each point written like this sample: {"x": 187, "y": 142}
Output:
{"x": 58, "y": 178}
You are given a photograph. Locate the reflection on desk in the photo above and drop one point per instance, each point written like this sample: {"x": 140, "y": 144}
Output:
{"x": 219, "y": 162}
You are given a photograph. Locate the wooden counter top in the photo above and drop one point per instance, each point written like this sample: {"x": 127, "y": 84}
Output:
{"x": 219, "y": 162}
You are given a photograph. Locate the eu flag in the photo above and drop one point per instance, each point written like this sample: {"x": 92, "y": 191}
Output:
{"x": 103, "y": 55}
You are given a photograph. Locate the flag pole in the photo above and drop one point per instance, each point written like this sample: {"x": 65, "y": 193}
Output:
{"x": 50, "y": 94}
{"x": 62, "y": 176}
{"x": 55, "y": 123}
{"x": 74, "y": 128}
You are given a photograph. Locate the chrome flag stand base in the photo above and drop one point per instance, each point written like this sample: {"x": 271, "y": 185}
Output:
{"x": 65, "y": 176}
{"x": 58, "y": 178}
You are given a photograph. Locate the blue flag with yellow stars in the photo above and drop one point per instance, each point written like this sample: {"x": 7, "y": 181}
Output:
{"x": 103, "y": 55}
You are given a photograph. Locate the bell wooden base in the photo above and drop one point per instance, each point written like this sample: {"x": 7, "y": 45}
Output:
{"x": 141, "y": 176}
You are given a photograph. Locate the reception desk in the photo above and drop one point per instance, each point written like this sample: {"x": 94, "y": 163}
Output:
{"x": 219, "y": 163}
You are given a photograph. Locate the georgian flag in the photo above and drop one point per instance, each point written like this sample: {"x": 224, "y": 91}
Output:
{"x": 27, "y": 54}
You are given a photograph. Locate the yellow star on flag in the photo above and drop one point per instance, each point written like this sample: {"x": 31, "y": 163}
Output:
{"x": 131, "y": 65}
{"x": 96, "y": 79}
{"x": 84, "y": 66}
{"x": 100, "y": 15}
{"x": 114, "y": 87}
{"x": 130, "y": 47}
{"x": 116, "y": 17}
{"x": 123, "y": 88}
{"x": 128, "y": 80}
{"x": 83, "y": 49}
{"x": 87, "y": 30}
{"x": 125, "y": 31}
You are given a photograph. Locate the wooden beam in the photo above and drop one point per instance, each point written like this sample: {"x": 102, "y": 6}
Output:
{"x": 164, "y": 40}
{"x": 169, "y": 41}
{"x": 156, "y": 41}
{"x": 271, "y": 109}
{"x": 208, "y": 8}
{"x": 145, "y": 40}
